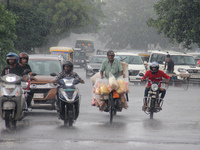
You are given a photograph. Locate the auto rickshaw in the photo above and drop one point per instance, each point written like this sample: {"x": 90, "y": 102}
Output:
{"x": 67, "y": 52}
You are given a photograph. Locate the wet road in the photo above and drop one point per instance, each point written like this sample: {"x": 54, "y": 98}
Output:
{"x": 176, "y": 127}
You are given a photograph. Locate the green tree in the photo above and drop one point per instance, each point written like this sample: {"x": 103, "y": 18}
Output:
{"x": 179, "y": 20}
{"x": 7, "y": 33}
{"x": 32, "y": 27}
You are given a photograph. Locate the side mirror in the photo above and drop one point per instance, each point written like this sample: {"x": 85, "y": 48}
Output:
{"x": 53, "y": 74}
{"x": 34, "y": 74}
{"x": 145, "y": 63}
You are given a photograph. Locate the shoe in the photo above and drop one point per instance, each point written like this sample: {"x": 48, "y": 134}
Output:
{"x": 93, "y": 104}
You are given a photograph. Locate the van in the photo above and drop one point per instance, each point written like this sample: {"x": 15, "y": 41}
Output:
{"x": 86, "y": 45}
{"x": 135, "y": 64}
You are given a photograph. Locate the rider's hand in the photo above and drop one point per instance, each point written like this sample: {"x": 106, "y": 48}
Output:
{"x": 167, "y": 81}
{"x": 141, "y": 80}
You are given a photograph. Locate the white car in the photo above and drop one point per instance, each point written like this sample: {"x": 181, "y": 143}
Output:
{"x": 184, "y": 64}
{"x": 135, "y": 64}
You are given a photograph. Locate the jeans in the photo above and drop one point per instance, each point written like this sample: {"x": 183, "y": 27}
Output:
{"x": 162, "y": 91}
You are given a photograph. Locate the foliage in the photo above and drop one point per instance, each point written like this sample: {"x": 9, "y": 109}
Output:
{"x": 7, "y": 33}
{"x": 179, "y": 20}
{"x": 126, "y": 25}
{"x": 32, "y": 28}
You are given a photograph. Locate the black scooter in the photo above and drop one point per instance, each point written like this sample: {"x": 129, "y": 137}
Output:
{"x": 68, "y": 100}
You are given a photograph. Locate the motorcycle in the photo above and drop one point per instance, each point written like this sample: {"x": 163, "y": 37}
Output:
{"x": 154, "y": 103}
{"x": 68, "y": 100}
{"x": 13, "y": 105}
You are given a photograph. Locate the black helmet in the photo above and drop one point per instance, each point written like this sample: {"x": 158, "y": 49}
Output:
{"x": 69, "y": 63}
{"x": 23, "y": 55}
{"x": 154, "y": 65}
{"x": 12, "y": 55}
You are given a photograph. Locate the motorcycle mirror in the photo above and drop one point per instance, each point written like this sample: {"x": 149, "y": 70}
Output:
{"x": 53, "y": 74}
{"x": 34, "y": 74}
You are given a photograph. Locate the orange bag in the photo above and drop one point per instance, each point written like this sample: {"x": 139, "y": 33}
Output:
{"x": 115, "y": 95}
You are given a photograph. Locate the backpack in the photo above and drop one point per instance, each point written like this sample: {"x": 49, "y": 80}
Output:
{"x": 170, "y": 66}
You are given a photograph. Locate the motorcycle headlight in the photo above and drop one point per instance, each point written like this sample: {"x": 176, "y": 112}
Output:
{"x": 82, "y": 61}
{"x": 154, "y": 87}
{"x": 182, "y": 70}
{"x": 11, "y": 79}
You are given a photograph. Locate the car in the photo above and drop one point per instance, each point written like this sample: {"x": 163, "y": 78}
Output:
{"x": 94, "y": 64}
{"x": 135, "y": 64}
{"x": 79, "y": 58}
{"x": 44, "y": 68}
{"x": 85, "y": 44}
{"x": 196, "y": 56}
{"x": 184, "y": 64}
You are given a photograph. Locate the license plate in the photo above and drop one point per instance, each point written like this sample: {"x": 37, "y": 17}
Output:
{"x": 38, "y": 95}
{"x": 10, "y": 86}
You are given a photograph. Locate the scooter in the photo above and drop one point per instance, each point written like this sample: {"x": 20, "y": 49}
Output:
{"x": 68, "y": 100}
{"x": 12, "y": 99}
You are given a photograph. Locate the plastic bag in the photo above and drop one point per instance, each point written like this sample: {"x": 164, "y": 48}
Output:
{"x": 101, "y": 87}
{"x": 95, "y": 77}
{"x": 121, "y": 86}
{"x": 125, "y": 69}
{"x": 113, "y": 82}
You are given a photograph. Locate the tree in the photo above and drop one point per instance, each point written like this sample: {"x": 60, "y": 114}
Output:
{"x": 49, "y": 21}
{"x": 179, "y": 20}
{"x": 32, "y": 27}
{"x": 7, "y": 33}
{"x": 126, "y": 25}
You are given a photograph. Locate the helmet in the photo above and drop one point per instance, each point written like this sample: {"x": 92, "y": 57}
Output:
{"x": 23, "y": 55}
{"x": 69, "y": 63}
{"x": 12, "y": 55}
{"x": 154, "y": 65}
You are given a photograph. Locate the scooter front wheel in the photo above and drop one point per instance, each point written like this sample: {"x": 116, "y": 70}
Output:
{"x": 7, "y": 118}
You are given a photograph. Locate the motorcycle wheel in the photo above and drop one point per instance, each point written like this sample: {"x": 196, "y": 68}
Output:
{"x": 70, "y": 118}
{"x": 111, "y": 108}
{"x": 152, "y": 108}
{"x": 7, "y": 118}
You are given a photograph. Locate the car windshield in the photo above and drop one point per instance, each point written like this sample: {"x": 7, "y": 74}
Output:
{"x": 130, "y": 59}
{"x": 79, "y": 55}
{"x": 183, "y": 60}
{"x": 97, "y": 59}
{"x": 45, "y": 67}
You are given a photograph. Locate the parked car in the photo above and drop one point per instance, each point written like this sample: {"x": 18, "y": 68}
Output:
{"x": 184, "y": 64}
{"x": 135, "y": 65}
{"x": 79, "y": 58}
{"x": 43, "y": 66}
{"x": 94, "y": 64}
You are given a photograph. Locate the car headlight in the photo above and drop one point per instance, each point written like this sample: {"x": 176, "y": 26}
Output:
{"x": 182, "y": 70}
{"x": 143, "y": 71}
{"x": 89, "y": 67}
{"x": 154, "y": 87}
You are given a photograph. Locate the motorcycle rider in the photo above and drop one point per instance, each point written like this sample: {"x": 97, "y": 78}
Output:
{"x": 23, "y": 62}
{"x": 68, "y": 72}
{"x": 154, "y": 74}
{"x": 13, "y": 66}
